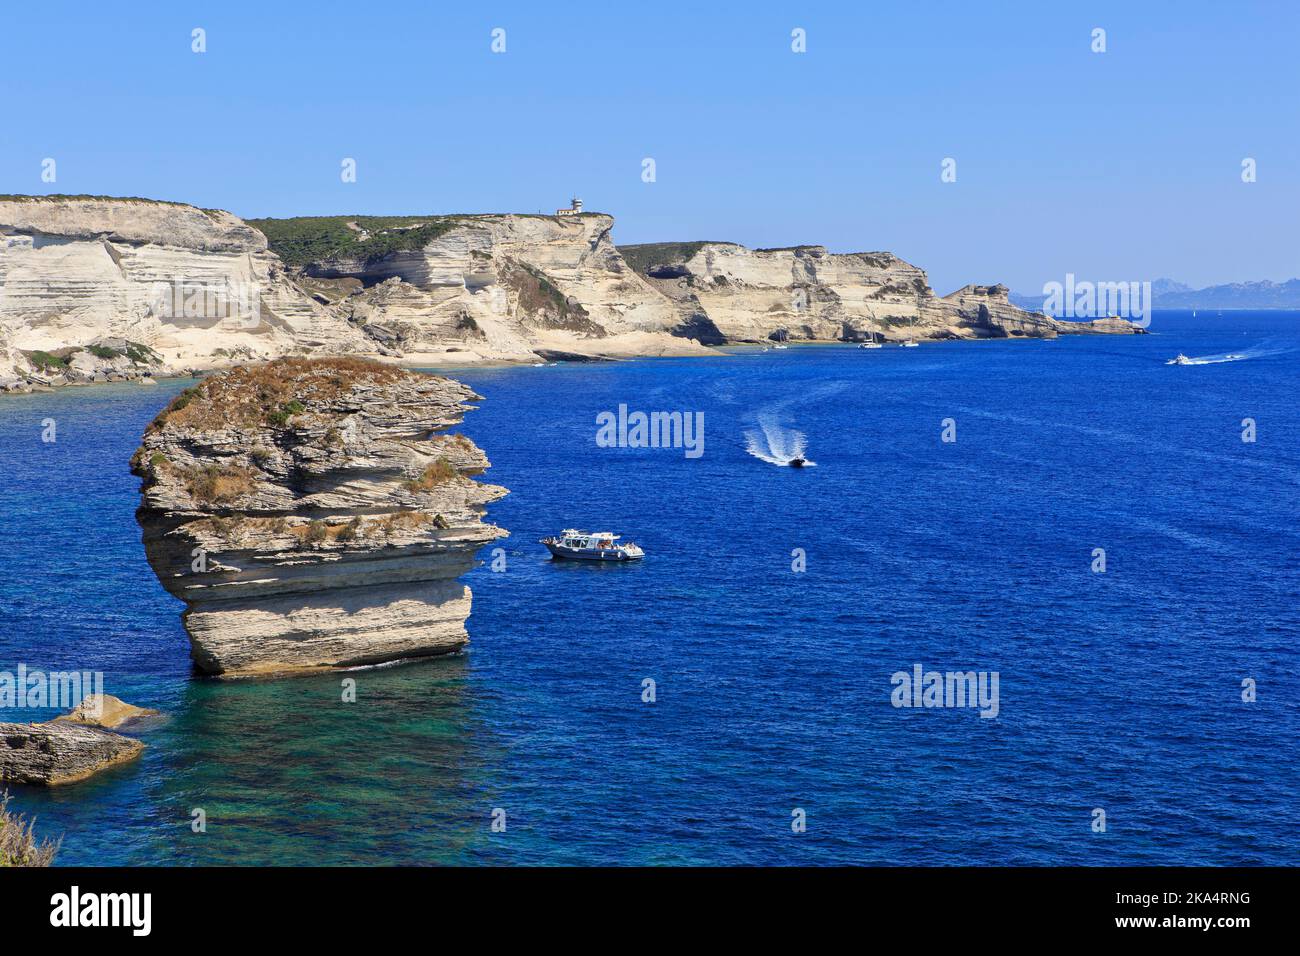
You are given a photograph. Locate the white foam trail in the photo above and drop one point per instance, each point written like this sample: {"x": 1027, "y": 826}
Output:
{"x": 774, "y": 443}
{"x": 777, "y": 444}
{"x": 1252, "y": 353}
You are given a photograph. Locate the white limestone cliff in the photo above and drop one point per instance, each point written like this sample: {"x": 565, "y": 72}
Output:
{"x": 725, "y": 292}
{"x": 95, "y": 289}
{"x": 195, "y": 288}
{"x": 512, "y": 287}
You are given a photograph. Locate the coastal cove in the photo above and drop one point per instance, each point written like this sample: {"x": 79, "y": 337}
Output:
{"x": 1119, "y": 690}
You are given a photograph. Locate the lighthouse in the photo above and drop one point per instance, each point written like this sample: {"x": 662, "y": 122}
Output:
{"x": 575, "y": 208}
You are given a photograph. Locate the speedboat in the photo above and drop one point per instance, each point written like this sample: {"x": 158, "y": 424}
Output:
{"x": 1179, "y": 359}
{"x": 909, "y": 344}
{"x": 574, "y": 545}
{"x": 870, "y": 345}
{"x": 796, "y": 462}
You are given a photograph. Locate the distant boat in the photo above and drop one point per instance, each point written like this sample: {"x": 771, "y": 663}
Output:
{"x": 1179, "y": 359}
{"x": 872, "y": 344}
{"x": 574, "y": 545}
{"x": 911, "y": 343}
{"x": 796, "y": 462}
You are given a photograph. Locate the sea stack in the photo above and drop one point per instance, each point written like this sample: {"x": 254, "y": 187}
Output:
{"x": 315, "y": 513}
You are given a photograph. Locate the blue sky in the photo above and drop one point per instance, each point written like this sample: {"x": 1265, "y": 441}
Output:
{"x": 1124, "y": 165}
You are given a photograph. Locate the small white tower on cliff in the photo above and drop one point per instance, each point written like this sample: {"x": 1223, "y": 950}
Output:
{"x": 575, "y": 208}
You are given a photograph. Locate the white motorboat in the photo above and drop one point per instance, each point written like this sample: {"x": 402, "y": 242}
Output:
{"x": 574, "y": 545}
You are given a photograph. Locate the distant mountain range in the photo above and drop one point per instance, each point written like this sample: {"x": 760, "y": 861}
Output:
{"x": 1168, "y": 294}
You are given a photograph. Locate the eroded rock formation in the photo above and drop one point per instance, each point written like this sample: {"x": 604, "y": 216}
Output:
{"x": 97, "y": 289}
{"x": 727, "y": 293}
{"x": 60, "y": 752}
{"x": 315, "y": 513}
{"x": 486, "y": 287}
{"x": 105, "y": 710}
{"x": 167, "y": 286}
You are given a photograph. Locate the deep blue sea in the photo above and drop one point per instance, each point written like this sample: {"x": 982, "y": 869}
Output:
{"x": 1119, "y": 691}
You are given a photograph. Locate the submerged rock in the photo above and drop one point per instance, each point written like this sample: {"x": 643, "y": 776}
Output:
{"x": 60, "y": 751}
{"x": 315, "y": 513}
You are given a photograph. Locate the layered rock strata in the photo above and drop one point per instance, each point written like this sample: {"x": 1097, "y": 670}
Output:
{"x": 491, "y": 287}
{"x": 725, "y": 292}
{"x": 315, "y": 513}
{"x": 97, "y": 289}
{"x": 166, "y": 286}
{"x": 60, "y": 752}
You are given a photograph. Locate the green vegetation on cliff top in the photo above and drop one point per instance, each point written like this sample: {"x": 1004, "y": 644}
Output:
{"x": 86, "y": 197}
{"x": 647, "y": 255}
{"x": 306, "y": 239}
{"x": 302, "y": 240}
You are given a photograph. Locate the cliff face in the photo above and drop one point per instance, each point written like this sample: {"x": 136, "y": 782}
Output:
{"x": 98, "y": 289}
{"x": 95, "y": 289}
{"x": 315, "y": 513}
{"x": 726, "y": 292}
{"x": 178, "y": 286}
{"x": 491, "y": 287}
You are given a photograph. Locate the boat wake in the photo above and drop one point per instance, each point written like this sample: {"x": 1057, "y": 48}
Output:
{"x": 776, "y": 444}
{"x": 1258, "y": 351}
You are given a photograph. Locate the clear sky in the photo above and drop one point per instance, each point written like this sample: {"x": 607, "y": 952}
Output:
{"x": 1123, "y": 165}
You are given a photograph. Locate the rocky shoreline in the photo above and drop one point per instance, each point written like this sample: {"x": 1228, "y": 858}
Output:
{"x": 315, "y": 513}
{"x": 98, "y": 289}
{"x": 72, "y": 747}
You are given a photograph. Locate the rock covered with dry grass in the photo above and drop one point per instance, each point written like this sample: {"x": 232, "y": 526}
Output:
{"x": 315, "y": 513}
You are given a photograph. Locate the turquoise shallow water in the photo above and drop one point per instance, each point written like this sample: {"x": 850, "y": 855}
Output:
{"x": 1118, "y": 690}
